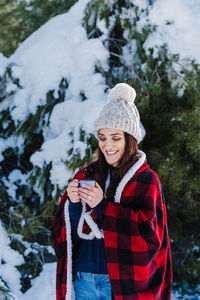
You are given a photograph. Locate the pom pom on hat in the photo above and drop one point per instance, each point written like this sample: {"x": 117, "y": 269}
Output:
{"x": 121, "y": 112}
{"x": 123, "y": 91}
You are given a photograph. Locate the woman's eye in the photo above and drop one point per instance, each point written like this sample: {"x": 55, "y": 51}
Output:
{"x": 114, "y": 139}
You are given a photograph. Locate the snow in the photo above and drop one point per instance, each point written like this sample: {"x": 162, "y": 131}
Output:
{"x": 10, "y": 142}
{"x": 3, "y": 64}
{"x": 16, "y": 175}
{"x": 43, "y": 287}
{"x": 60, "y": 175}
{"x": 178, "y": 23}
{"x": 9, "y": 259}
{"x": 60, "y": 49}
{"x": 15, "y": 178}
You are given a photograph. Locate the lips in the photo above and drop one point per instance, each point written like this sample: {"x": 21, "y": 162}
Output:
{"x": 111, "y": 152}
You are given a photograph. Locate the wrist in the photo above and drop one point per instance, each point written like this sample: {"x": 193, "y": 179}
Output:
{"x": 99, "y": 205}
{"x": 74, "y": 203}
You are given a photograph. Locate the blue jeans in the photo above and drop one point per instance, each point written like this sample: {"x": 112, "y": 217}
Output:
{"x": 89, "y": 286}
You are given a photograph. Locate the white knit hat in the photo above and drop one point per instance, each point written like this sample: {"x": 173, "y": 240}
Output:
{"x": 121, "y": 112}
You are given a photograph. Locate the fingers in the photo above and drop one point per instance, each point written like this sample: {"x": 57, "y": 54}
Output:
{"x": 73, "y": 183}
{"x": 72, "y": 191}
{"x": 84, "y": 194}
{"x": 97, "y": 185}
{"x": 75, "y": 193}
{"x": 90, "y": 203}
{"x": 86, "y": 197}
{"x": 88, "y": 188}
{"x": 92, "y": 188}
{"x": 91, "y": 195}
{"x": 90, "y": 191}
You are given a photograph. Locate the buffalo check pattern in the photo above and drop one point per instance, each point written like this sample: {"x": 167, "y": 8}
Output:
{"x": 135, "y": 235}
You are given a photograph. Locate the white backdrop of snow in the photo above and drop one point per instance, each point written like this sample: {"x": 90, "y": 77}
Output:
{"x": 15, "y": 178}
{"x": 43, "y": 287}
{"x": 10, "y": 142}
{"x": 182, "y": 35}
{"x": 9, "y": 259}
{"x": 61, "y": 49}
{"x": 3, "y": 64}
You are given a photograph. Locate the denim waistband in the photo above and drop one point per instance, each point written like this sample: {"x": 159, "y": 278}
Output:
{"x": 92, "y": 277}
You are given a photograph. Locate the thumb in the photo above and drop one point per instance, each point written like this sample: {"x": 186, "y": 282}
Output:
{"x": 97, "y": 185}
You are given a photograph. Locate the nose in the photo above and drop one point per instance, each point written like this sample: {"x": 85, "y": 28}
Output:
{"x": 108, "y": 145}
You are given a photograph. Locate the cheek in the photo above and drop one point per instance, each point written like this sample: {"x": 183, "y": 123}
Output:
{"x": 100, "y": 145}
{"x": 122, "y": 148}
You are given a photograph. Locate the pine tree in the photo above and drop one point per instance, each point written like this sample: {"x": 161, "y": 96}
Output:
{"x": 19, "y": 19}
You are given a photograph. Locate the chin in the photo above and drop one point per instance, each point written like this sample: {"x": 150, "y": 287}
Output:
{"x": 112, "y": 163}
{"x": 111, "y": 160}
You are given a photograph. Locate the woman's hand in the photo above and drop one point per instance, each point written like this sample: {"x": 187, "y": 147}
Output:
{"x": 91, "y": 195}
{"x": 73, "y": 191}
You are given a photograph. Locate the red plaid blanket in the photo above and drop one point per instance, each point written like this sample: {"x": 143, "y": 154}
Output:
{"x": 135, "y": 235}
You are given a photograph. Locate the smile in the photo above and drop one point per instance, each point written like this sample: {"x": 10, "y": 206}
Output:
{"x": 111, "y": 152}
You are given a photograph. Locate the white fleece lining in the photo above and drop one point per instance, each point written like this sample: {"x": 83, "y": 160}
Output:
{"x": 93, "y": 226}
{"x": 70, "y": 288}
{"x": 131, "y": 172}
{"x": 82, "y": 235}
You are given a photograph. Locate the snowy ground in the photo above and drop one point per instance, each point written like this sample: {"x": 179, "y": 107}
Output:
{"x": 44, "y": 286}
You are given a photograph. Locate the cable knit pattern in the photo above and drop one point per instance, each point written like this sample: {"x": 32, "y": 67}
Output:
{"x": 121, "y": 112}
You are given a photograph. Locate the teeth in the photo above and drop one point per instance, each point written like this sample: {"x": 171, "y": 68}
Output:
{"x": 111, "y": 152}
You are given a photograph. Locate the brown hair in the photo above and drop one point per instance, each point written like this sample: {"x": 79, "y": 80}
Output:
{"x": 129, "y": 157}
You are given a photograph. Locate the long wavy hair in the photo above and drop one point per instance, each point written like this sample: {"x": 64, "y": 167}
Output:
{"x": 129, "y": 157}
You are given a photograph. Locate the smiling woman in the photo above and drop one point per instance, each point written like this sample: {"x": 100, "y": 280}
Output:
{"x": 116, "y": 231}
{"x": 112, "y": 144}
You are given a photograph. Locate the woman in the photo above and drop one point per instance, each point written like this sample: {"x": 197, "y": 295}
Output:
{"x": 111, "y": 239}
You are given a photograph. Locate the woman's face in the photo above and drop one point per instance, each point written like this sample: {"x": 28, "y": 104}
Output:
{"x": 112, "y": 144}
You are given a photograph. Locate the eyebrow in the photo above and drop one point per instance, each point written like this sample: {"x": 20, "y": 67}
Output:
{"x": 113, "y": 134}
